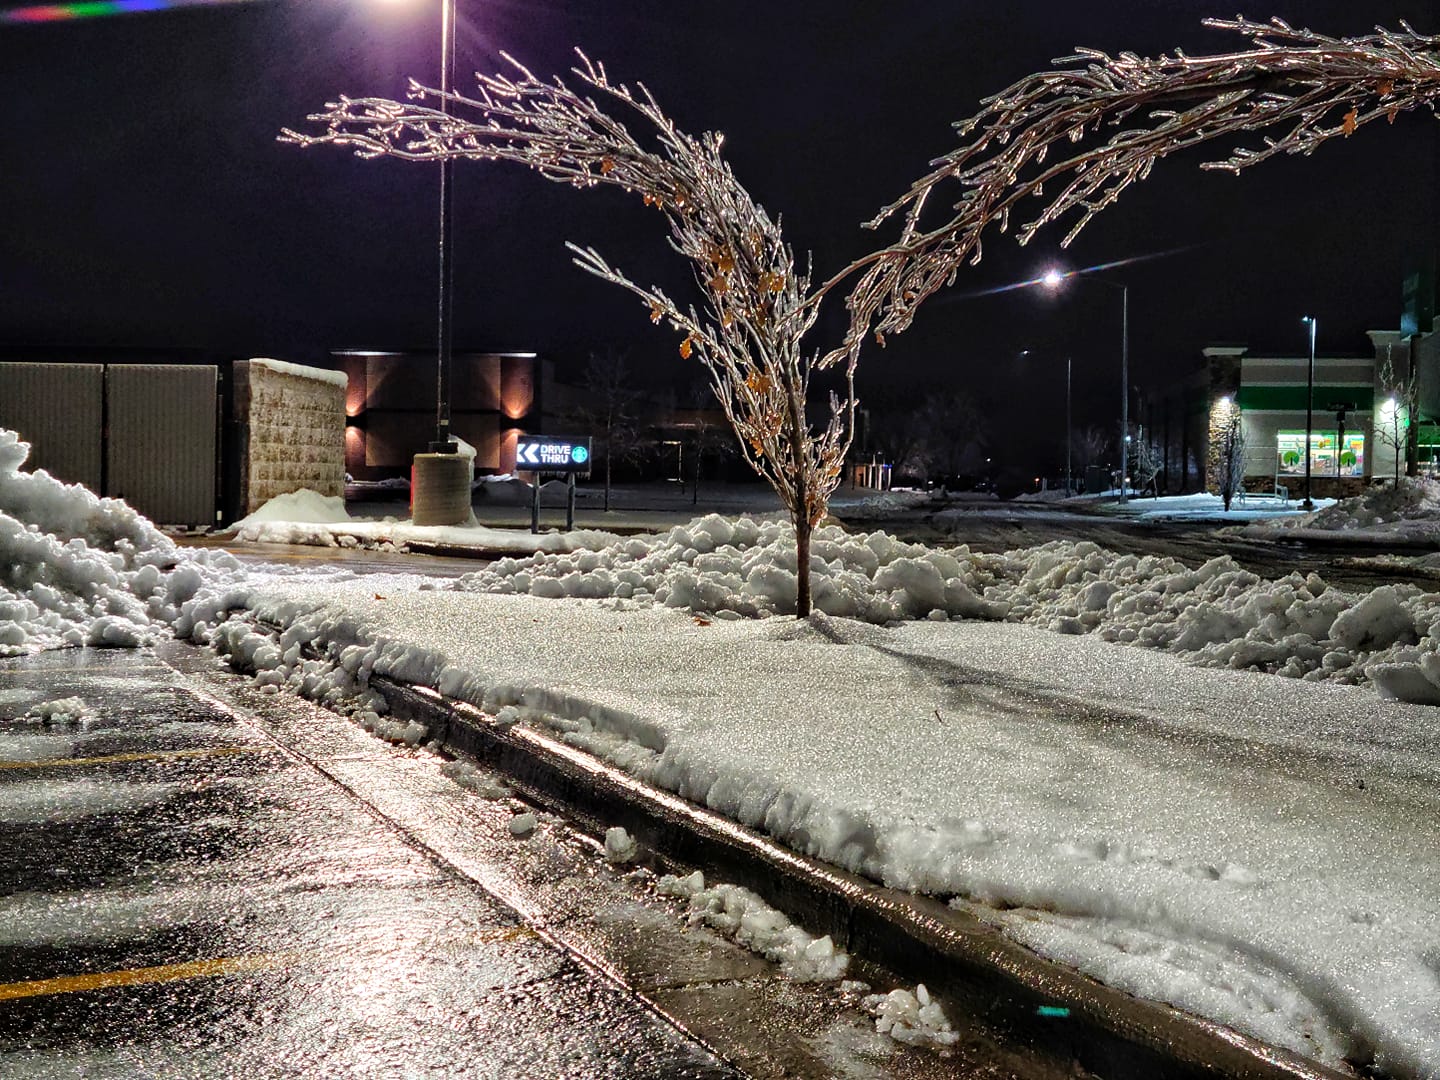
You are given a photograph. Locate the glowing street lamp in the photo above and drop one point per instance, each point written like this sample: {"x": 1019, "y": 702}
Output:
{"x": 1053, "y": 279}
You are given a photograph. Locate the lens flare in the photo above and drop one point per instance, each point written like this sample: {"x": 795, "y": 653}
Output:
{"x": 93, "y": 9}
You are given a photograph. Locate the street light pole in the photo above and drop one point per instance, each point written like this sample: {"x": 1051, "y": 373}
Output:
{"x": 1069, "y": 442}
{"x": 442, "y": 443}
{"x": 440, "y": 477}
{"x": 1069, "y": 490}
{"x": 1309, "y": 504}
{"x": 1124, "y": 387}
{"x": 1053, "y": 279}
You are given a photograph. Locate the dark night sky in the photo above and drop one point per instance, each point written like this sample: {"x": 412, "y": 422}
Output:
{"x": 146, "y": 202}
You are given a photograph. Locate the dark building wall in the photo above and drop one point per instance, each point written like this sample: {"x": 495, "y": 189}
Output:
{"x": 391, "y": 404}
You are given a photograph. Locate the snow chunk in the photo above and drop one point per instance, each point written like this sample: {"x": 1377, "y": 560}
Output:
{"x": 620, "y": 846}
{"x": 911, "y": 1018}
{"x": 483, "y": 783}
{"x": 70, "y": 710}
{"x": 741, "y": 914}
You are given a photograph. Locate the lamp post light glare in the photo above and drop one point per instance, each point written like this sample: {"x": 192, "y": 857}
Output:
{"x": 1052, "y": 279}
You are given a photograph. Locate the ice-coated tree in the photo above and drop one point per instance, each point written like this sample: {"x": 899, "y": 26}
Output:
{"x": 1146, "y": 461}
{"x": 1397, "y": 409}
{"x": 1088, "y": 446}
{"x": 608, "y": 407}
{"x": 755, "y": 304}
{"x": 1230, "y": 464}
{"x": 1108, "y": 119}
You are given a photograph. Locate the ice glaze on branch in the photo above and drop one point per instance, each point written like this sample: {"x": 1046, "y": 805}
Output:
{"x": 1308, "y": 86}
{"x": 748, "y": 329}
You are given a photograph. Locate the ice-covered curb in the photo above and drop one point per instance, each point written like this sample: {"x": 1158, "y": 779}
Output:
{"x": 1217, "y": 614}
{"x": 80, "y": 570}
{"x": 741, "y": 914}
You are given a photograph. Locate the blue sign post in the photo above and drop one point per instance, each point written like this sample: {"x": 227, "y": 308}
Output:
{"x": 545, "y": 454}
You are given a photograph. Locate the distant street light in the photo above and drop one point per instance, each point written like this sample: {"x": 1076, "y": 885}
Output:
{"x": 1309, "y": 504}
{"x": 1053, "y": 279}
{"x": 1069, "y": 489}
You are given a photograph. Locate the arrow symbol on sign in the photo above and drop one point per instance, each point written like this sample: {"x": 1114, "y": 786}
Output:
{"x": 529, "y": 453}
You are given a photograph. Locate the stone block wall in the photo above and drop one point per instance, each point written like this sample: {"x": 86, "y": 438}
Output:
{"x": 291, "y": 430}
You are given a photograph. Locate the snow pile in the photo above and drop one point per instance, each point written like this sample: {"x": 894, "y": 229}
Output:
{"x": 523, "y": 826}
{"x": 1217, "y": 614}
{"x": 915, "y": 1018}
{"x": 61, "y": 711}
{"x": 1408, "y": 510}
{"x": 304, "y": 505}
{"x": 746, "y": 567}
{"x": 80, "y": 570}
{"x": 741, "y": 914}
{"x": 1412, "y": 499}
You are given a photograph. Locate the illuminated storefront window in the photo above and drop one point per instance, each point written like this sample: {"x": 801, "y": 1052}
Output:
{"x": 1290, "y": 446}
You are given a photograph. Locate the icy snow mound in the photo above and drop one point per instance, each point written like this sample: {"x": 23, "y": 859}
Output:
{"x": 76, "y": 569}
{"x": 1412, "y": 499}
{"x": 1409, "y": 509}
{"x": 304, "y": 505}
{"x": 746, "y": 567}
{"x": 1218, "y": 614}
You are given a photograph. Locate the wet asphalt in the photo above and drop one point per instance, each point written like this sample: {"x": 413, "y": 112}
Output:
{"x": 181, "y": 897}
{"x": 198, "y": 879}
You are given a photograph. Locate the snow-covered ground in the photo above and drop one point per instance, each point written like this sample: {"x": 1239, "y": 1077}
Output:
{"x": 1254, "y": 849}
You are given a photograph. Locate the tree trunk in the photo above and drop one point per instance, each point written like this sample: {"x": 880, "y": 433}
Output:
{"x": 802, "y": 566}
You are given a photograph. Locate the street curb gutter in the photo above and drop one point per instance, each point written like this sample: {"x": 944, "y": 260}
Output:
{"x": 989, "y": 977}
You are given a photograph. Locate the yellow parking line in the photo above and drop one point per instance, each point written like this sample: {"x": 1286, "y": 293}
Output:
{"x": 153, "y": 755}
{"x": 193, "y": 969}
{"x": 226, "y": 965}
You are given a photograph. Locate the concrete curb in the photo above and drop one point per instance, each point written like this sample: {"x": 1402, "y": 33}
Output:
{"x": 994, "y": 980}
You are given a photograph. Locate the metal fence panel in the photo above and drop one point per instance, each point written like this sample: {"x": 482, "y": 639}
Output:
{"x": 162, "y": 445}
{"x": 57, "y": 409}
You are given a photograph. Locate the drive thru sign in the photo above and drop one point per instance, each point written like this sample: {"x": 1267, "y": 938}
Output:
{"x": 542, "y": 453}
